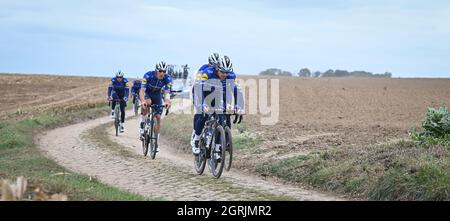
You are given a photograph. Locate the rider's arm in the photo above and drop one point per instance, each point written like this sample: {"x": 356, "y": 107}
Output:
{"x": 238, "y": 95}
{"x": 199, "y": 94}
{"x": 127, "y": 91}
{"x": 110, "y": 87}
{"x": 142, "y": 90}
{"x": 142, "y": 95}
{"x": 167, "y": 89}
{"x": 133, "y": 89}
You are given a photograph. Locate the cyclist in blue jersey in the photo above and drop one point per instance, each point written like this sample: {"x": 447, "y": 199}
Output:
{"x": 220, "y": 79}
{"x": 135, "y": 89}
{"x": 213, "y": 61}
{"x": 150, "y": 93}
{"x": 118, "y": 89}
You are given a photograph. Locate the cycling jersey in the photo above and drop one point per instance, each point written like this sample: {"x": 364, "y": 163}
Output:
{"x": 120, "y": 88}
{"x": 210, "y": 80}
{"x": 154, "y": 85}
{"x": 208, "y": 83}
{"x": 198, "y": 76}
{"x": 136, "y": 87}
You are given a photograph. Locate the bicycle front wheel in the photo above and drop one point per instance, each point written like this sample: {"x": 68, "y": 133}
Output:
{"x": 117, "y": 120}
{"x": 153, "y": 139}
{"x": 217, "y": 160}
{"x": 145, "y": 144}
{"x": 200, "y": 159}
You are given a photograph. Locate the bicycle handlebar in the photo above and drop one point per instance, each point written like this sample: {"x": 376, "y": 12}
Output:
{"x": 236, "y": 118}
{"x": 115, "y": 100}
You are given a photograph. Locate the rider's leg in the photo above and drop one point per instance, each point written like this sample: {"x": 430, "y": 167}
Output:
{"x": 196, "y": 118}
{"x": 199, "y": 124}
{"x": 123, "y": 106}
{"x": 157, "y": 127}
{"x": 158, "y": 123}
{"x": 157, "y": 99}
{"x": 228, "y": 120}
{"x": 144, "y": 111}
{"x": 113, "y": 103}
{"x": 149, "y": 102}
{"x": 144, "y": 115}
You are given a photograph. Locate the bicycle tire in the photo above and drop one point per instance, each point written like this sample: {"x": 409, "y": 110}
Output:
{"x": 153, "y": 139}
{"x": 228, "y": 148}
{"x": 200, "y": 159}
{"x": 145, "y": 145}
{"x": 216, "y": 166}
{"x": 117, "y": 119}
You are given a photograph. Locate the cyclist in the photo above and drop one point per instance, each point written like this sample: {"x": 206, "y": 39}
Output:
{"x": 135, "y": 89}
{"x": 215, "y": 77}
{"x": 152, "y": 84}
{"x": 185, "y": 73}
{"x": 213, "y": 61}
{"x": 118, "y": 89}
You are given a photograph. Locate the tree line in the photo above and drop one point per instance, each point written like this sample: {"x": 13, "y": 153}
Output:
{"x": 305, "y": 72}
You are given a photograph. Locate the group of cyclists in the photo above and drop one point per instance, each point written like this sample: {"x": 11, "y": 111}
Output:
{"x": 155, "y": 87}
{"x": 178, "y": 74}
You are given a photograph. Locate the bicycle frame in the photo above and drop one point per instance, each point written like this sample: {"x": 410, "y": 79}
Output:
{"x": 212, "y": 122}
{"x": 117, "y": 114}
{"x": 149, "y": 137}
{"x": 150, "y": 115}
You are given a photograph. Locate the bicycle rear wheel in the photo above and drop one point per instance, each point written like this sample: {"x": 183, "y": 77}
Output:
{"x": 228, "y": 149}
{"x": 117, "y": 119}
{"x": 216, "y": 163}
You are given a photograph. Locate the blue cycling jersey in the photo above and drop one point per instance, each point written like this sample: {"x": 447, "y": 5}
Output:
{"x": 136, "y": 87}
{"x": 210, "y": 79}
{"x": 154, "y": 85}
{"x": 119, "y": 88}
{"x": 198, "y": 76}
{"x": 203, "y": 67}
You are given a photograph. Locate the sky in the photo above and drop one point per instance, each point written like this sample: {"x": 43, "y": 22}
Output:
{"x": 409, "y": 38}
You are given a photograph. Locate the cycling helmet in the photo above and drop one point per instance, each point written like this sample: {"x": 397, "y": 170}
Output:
{"x": 119, "y": 74}
{"x": 161, "y": 66}
{"x": 225, "y": 65}
{"x": 214, "y": 59}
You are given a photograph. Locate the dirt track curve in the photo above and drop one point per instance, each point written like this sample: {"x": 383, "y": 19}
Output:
{"x": 170, "y": 176}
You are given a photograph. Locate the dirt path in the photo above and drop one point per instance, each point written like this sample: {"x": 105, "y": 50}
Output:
{"x": 170, "y": 177}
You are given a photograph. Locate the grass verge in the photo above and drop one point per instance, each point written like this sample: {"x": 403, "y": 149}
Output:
{"x": 400, "y": 171}
{"x": 20, "y": 157}
{"x": 178, "y": 128}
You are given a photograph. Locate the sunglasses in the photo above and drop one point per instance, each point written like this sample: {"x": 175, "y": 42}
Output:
{"x": 162, "y": 71}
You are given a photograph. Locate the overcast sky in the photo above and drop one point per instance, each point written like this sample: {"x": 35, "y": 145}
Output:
{"x": 86, "y": 37}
